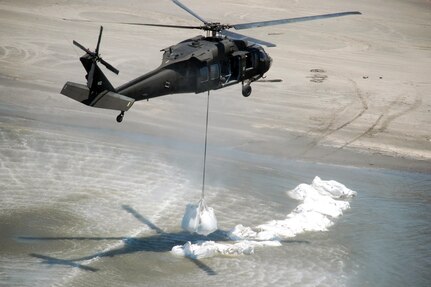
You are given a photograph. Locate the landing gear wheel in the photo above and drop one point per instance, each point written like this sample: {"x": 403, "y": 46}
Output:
{"x": 246, "y": 90}
{"x": 120, "y": 117}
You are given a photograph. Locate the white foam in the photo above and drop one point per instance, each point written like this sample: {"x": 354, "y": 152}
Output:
{"x": 294, "y": 224}
{"x": 319, "y": 207}
{"x": 204, "y": 249}
{"x": 321, "y": 203}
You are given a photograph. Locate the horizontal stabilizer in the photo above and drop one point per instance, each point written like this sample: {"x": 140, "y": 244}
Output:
{"x": 104, "y": 100}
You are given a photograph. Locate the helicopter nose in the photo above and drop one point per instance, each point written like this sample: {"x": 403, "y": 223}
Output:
{"x": 268, "y": 63}
{"x": 265, "y": 61}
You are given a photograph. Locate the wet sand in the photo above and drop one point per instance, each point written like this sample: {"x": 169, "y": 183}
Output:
{"x": 352, "y": 107}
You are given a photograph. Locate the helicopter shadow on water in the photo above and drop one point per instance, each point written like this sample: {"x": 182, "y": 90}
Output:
{"x": 160, "y": 242}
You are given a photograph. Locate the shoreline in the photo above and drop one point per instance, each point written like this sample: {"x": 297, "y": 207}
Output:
{"x": 326, "y": 155}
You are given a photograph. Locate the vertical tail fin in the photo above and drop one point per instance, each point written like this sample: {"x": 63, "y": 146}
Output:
{"x": 97, "y": 82}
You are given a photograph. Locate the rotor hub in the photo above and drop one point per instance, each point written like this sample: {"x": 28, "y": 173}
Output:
{"x": 215, "y": 27}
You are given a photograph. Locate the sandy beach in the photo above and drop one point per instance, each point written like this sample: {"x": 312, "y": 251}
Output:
{"x": 353, "y": 105}
{"x": 367, "y": 103}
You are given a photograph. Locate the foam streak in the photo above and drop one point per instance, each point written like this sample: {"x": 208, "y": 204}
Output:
{"x": 321, "y": 203}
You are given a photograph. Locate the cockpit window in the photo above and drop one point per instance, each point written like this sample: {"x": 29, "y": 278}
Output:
{"x": 204, "y": 74}
{"x": 214, "y": 72}
{"x": 251, "y": 60}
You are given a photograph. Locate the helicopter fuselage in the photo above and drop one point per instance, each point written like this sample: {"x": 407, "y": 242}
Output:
{"x": 200, "y": 64}
{"x": 195, "y": 65}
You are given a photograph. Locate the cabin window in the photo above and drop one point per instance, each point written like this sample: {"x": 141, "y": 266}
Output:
{"x": 204, "y": 74}
{"x": 250, "y": 61}
{"x": 214, "y": 72}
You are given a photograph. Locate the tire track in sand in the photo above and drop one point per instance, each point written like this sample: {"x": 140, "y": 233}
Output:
{"x": 385, "y": 119}
{"x": 401, "y": 100}
{"x": 328, "y": 129}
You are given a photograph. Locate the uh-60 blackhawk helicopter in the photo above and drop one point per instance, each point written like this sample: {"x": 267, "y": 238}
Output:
{"x": 200, "y": 64}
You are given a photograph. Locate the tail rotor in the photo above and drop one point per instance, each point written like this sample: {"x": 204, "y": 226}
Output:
{"x": 98, "y": 92}
{"x": 94, "y": 57}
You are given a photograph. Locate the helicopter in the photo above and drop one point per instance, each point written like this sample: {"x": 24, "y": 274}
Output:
{"x": 220, "y": 59}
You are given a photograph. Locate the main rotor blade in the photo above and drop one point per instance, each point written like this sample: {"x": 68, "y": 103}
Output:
{"x": 109, "y": 66}
{"x": 188, "y": 10}
{"x": 270, "y": 81}
{"x": 98, "y": 41}
{"x": 162, "y": 25}
{"x": 291, "y": 20}
{"x": 136, "y": 24}
{"x": 237, "y": 36}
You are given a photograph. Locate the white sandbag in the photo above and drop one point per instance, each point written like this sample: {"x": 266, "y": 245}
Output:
{"x": 332, "y": 188}
{"x": 199, "y": 218}
{"x": 241, "y": 232}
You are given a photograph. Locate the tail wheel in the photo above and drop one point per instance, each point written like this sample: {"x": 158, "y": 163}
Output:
{"x": 120, "y": 117}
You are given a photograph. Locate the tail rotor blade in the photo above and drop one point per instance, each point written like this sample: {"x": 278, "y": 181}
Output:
{"x": 109, "y": 66}
{"x": 81, "y": 47}
{"x": 98, "y": 41}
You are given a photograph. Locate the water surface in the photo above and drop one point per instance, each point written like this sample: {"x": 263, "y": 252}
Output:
{"x": 91, "y": 210}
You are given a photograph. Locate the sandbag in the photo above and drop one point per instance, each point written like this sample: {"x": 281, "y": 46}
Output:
{"x": 199, "y": 218}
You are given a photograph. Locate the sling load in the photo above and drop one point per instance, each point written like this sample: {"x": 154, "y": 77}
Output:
{"x": 200, "y": 218}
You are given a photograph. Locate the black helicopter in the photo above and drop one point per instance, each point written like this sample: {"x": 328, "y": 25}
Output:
{"x": 221, "y": 59}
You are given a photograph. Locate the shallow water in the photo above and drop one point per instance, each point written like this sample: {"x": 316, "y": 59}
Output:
{"x": 89, "y": 210}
